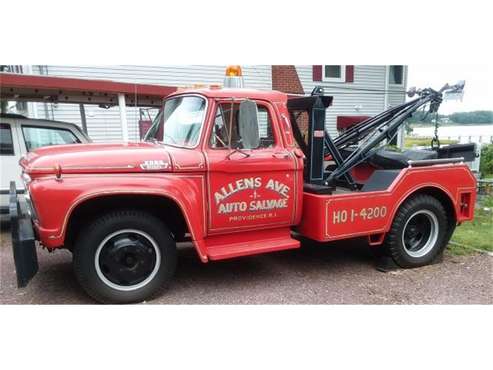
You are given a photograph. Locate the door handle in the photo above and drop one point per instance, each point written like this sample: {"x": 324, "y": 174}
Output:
{"x": 281, "y": 155}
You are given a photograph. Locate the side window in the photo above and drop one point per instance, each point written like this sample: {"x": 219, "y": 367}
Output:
{"x": 226, "y": 121}
{"x": 265, "y": 128}
{"x": 36, "y": 137}
{"x": 6, "y": 142}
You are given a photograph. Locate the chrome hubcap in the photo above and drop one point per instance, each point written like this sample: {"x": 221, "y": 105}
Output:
{"x": 420, "y": 233}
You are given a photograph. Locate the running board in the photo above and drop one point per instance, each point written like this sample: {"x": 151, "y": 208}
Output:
{"x": 248, "y": 243}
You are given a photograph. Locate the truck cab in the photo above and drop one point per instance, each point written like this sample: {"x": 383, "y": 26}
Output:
{"x": 229, "y": 171}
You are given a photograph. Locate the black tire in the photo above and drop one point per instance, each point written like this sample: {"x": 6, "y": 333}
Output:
{"x": 419, "y": 232}
{"x": 138, "y": 246}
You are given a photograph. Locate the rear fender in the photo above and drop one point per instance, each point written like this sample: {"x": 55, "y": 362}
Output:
{"x": 457, "y": 193}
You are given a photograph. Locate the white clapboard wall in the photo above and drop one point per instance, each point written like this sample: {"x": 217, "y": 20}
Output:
{"x": 352, "y": 99}
{"x": 104, "y": 124}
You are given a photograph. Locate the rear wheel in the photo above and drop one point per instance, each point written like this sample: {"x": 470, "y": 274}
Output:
{"x": 419, "y": 232}
{"x": 124, "y": 257}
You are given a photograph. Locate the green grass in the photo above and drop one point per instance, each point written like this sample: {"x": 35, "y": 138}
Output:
{"x": 477, "y": 234}
{"x": 409, "y": 142}
{"x": 487, "y": 201}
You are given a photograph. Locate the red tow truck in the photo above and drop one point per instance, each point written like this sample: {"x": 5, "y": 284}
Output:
{"x": 230, "y": 170}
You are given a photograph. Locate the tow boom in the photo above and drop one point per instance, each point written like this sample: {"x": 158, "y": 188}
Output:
{"x": 369, "y": 133}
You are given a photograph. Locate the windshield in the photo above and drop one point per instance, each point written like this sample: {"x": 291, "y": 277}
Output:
{"x": 179, "y": 122}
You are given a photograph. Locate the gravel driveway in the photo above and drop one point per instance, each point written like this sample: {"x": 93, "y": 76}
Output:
{"x": 340, "y": 273}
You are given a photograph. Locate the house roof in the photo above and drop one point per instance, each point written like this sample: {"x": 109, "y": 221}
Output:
{"x": 51, "y": 89}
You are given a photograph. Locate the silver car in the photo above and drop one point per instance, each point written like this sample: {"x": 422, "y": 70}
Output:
{"x": 19, "y": 135}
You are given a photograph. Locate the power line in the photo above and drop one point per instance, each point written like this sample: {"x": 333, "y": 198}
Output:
{"x": 382, "y": 92}
{"x": 357, "y": 90}
{"x": 364, "y": 93}
{"x": 337, "y": 87}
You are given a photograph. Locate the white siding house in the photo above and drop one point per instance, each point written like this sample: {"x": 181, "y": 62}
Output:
{"x": 368, "y": 94}
{"x": 369, "y": 89}
{"x": 104, "y": 124}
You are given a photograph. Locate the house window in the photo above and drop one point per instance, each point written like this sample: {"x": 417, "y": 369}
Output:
{"x": 396, "y": 75}
{"x": 334, "y": 73}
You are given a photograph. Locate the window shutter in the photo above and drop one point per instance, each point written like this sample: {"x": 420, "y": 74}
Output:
{"x": 317, "y": 73}
{"x": 349, "y": 73}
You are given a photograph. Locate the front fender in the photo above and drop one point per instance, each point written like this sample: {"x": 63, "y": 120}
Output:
{"x": 55, "y": 200}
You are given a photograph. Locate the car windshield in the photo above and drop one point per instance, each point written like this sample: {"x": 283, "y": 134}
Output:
{"x": 179, "y": 122}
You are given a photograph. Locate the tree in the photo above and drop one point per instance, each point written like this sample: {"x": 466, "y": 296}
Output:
{"x": 467, "y": 118}
{"x": 479, "y": 116}
{"x": 486, "y": 164}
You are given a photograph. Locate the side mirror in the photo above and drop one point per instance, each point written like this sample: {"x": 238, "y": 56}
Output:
{"x": 248, "y": 125}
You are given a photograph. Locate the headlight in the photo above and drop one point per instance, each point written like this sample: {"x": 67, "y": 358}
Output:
{"x": 27, "y": 196}
{"x": 30, "y": 206}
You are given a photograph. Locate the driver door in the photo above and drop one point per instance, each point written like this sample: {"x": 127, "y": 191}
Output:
{"x": 249, "y": 188}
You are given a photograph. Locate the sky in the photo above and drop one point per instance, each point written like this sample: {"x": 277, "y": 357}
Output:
{"x": 478, "y": 92}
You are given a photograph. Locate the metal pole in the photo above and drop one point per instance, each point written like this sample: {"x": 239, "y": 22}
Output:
{"x": 32, "y": 107}
{"x": 401, "y": 133}
{"x": 123, "y": 116}
{"x": 386, "y": 87}
{"x": 83, "y": 118}
{"x": 386, "y": 94}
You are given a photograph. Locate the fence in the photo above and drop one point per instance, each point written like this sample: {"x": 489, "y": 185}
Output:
{"x": 478, "y": 139}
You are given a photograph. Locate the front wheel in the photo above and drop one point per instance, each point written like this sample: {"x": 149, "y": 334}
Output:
{"x": 124, "y": 257}
{"x": 418, "y": 233}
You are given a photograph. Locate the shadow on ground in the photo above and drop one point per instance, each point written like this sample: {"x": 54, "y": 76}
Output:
{"x": 338, "y": 273}
{"x": 194, "y": 282}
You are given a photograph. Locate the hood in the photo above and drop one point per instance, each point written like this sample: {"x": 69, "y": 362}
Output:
{"x": 111, "y": 158}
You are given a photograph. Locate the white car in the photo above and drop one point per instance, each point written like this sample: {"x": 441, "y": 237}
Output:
{"x": 19, "y": 135}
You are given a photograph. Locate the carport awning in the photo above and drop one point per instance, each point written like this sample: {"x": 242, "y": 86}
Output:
{"x": 48, "y": 89}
